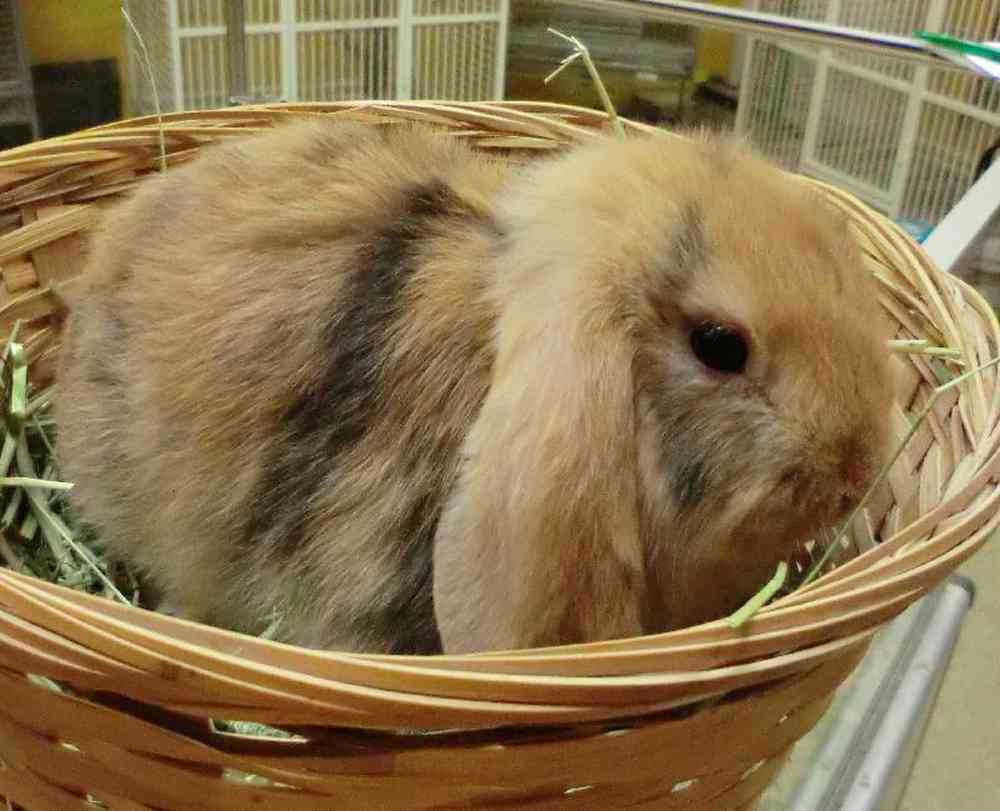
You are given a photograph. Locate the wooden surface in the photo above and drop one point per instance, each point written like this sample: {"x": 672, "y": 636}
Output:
{"x": 695, "y": 719}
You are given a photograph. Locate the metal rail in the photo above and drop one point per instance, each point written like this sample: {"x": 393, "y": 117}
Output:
{"x": 776, "y": 27}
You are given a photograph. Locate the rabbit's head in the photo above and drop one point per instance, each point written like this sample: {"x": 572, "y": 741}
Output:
{"x": 691, "y": 379}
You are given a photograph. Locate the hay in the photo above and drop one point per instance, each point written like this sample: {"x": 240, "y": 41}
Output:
{"x": 580, "y": 51}
{"x": 147, "y": 65}
{"x": 40, "y": 533}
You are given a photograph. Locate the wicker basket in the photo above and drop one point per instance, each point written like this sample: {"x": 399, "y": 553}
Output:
{"x": 610, "y": 725}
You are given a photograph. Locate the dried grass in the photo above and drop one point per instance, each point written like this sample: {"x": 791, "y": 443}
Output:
{"x": 40, "y": 534}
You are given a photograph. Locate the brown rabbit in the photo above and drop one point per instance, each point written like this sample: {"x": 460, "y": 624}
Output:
{"x": 410, "y": 398}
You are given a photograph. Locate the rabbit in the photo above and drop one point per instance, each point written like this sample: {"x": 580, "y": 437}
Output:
{"x": 414, "y": 399}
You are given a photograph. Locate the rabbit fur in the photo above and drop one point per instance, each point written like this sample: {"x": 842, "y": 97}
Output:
{"x": 412, "y": 398}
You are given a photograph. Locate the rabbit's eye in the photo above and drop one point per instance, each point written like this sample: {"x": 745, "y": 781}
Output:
{"x": 720, "y": 347}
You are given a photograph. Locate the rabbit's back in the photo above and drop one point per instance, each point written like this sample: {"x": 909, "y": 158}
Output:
{"x": 265, "y": 384}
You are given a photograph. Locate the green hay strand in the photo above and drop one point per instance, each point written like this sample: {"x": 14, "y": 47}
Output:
{"x": 24, "y": 481}
{"x": 916, "y": 423}
{"x": 759, "y": 600}
{"x": 27, "y": 497}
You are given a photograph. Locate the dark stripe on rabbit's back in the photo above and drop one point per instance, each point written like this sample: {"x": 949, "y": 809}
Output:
{"x": 404, "y": 614}
{"x": 327, "y": 421}
{"x": 321, "y": 428}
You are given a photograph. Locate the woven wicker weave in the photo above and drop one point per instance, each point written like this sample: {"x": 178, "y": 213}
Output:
{"x": 610, "y": 725}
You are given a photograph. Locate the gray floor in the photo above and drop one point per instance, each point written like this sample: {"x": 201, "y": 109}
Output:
{"x": 958, "y": 766}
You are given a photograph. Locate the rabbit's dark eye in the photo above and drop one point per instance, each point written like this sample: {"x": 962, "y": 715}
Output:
{"x": 720, "y": 347}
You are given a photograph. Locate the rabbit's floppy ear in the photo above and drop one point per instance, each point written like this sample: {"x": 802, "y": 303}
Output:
{"x": 539, "y": 543}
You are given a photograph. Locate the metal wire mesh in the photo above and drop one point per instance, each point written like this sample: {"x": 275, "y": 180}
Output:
{"x": 17, "y": 101}
{"x": 318, "y": 50}
{"x": 905, "y": 139}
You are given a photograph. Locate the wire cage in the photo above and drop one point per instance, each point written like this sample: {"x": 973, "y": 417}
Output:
{"x": 17, "y": 97}
{"x": 906, "y": 139}
{"x": 318, "y": 50}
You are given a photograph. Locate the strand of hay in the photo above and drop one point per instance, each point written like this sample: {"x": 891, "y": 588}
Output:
{"x": 580, "y": 51}
{"x": 148, "y": 65}
{"x": 39, "y": 535}
{"x": 916, "y": 423}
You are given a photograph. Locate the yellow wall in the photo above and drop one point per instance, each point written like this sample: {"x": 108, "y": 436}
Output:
{"x": 76, "y": 30}
{"x": 714, "y": 49}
